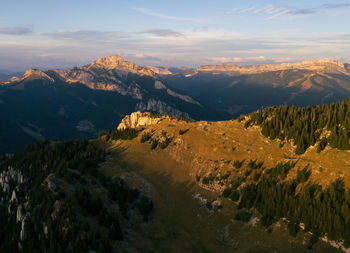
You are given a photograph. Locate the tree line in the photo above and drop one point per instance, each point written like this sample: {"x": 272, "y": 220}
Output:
{"x": 306, "y": 125}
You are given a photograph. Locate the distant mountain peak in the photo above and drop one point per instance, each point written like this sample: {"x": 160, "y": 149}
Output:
{"x": 110, "y": 62}
{"x": 323, "y": 65}
{"x": 30, "y": 74}
{"x": 116, "y": 62}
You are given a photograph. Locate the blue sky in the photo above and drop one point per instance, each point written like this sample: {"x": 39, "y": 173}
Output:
{"x": 62, "y": 34}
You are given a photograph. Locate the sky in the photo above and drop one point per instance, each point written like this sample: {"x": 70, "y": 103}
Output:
{"x": 66, "y": 33}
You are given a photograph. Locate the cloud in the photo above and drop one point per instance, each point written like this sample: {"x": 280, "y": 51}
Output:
{"x": 143, "y": 57}
{"x": 226, "y": 59}
{"x": 246, "y": 9}
{"x": 248, "y": 60}
{"x": 275, "y": 12}
{"x": 16, "y": 30}
{"x": 64, "y": 49}
{"x": 162, "y": 32}
{"x": 87, "y": 35}
{"x": 336, "y": 5}
{"x": 163, "y": 16}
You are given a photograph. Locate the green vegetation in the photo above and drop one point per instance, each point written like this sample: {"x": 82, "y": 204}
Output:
{"x": 154, "y": 143}
{"x": 208, "y": 179}
{"x": 293, "y": 228}
{"x": 145, "y": 137}
{"x": 165, "y": 143}
{"x": 230, "y": 193}
{"x": 324, "y": 212}
{"x": 125, "y": 134}
{"x": 303, "y": 175}
{"x": 59, "y": 197}
{"x": 181, "y": 132}
{"x": 227, "y": 192}
{"x": 322, "y": 144}
{"x": 238, "y": 164}
{"x": 145, "y": 207}
{"x": 88, "y": 204}
{"x": 253, "y": 164}
{"x": 304, "y": 125}
{"x": 281, "y": 169}
{"x": 243, "y": 216}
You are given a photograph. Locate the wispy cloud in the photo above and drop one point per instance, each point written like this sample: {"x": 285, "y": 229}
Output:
{"x": 162, "y": 32}
{"x": 16, "y": 30}
{"x": 86, "y": 35}
{"x": 63, "y": 49}
{"x": 247, "y": 60}
{"x": 143, "y": 57}
{"x": 164, "y": 16}
{"x": 273, "y": 12}
{"x": 336, "y": 5}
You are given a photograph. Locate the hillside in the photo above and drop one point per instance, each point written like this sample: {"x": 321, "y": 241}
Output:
{"x": 160, "y": 183}
{"x": 219, "y": 161}
{"x": 54, "y": 198}
{"x": 243, "y": 89}
{"x": 80, "y": 102}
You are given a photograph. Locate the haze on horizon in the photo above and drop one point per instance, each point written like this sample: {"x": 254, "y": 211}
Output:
{"x": 63, "y": 34}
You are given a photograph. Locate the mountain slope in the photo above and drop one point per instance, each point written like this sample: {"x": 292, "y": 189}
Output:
{"x": 215, "y": 187}
{"x": 80, "y": 102}
{"x": 55, "y": 199}
{"x": 237, "y": 90}
{"x": 213, "y": 161}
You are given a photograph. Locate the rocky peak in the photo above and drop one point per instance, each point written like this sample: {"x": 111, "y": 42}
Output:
{"x": 324, "y": 65}
{"x": 31, "y": 74}
{"x": 140, "y": 119}
{"x": 115, "y": 62}
{"x": 111, "y": 62}
{"x": 36, "y": 74}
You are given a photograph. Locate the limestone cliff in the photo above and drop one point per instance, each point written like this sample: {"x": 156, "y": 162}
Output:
{"x": 140, "y": 119}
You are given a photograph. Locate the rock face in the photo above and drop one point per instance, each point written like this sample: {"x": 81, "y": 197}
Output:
{"x": 30, "y": 74}
{"x": 117, "y": 62}
{"x": 325, "y": 65}
{"x": 139, "y": 119}
{"x": 160, "y": 70}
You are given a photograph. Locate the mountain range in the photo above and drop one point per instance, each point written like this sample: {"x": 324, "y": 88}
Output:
{"x": 243, "y": 89}
{"x": 273, "y": 180}
{"x": 80, "y": 102}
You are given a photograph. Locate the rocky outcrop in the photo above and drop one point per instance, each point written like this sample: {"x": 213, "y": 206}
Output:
{"x": 139, "y": 119}
{"x": 324, "y": 65}
{"x": 166, "y": 71}
{"x": 8, "y": 178}
{"x": 160, "y": 70}
{"x": 117, "y": 62}
{"x": 30, "y": 74}
{"x": 160, "y": 107}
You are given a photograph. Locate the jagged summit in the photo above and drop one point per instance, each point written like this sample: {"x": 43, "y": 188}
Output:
{"x": 116, "y": 62}
{"x": 30, "y": 74}
{"x": 140, "y": 119}
{"x": 323, "y": 65}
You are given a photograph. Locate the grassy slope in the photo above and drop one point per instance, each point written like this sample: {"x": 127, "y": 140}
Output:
{"x": 179, "y": 222}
